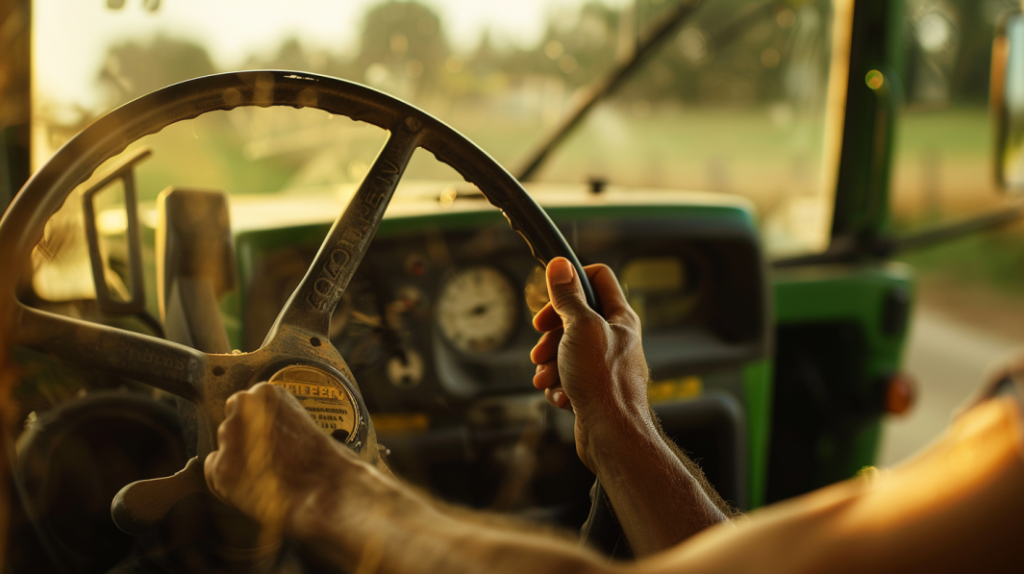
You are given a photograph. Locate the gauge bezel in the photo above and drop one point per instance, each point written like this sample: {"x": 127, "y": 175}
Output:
{"x": 695, "y": 263}
{"x": 359, "y": 437}
{"x": 517, "y": 307}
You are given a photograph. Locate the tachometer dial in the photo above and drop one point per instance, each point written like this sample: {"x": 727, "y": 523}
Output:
{"x": 477, "y": 309}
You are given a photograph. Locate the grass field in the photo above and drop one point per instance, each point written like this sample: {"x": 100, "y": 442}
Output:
{"x": 941, "y": 167}
{"x": 942, "y": 164}
{"x": 739, "y": 151}
{"x": 942, "y": 172}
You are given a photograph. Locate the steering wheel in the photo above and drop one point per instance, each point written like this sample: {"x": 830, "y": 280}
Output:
{"x": 297, "y": 350}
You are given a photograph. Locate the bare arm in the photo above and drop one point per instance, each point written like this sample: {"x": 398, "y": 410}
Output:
{"x": 957, "y": 508}
{"x": 596, "y": 367}
{"x": 275, "y": 465}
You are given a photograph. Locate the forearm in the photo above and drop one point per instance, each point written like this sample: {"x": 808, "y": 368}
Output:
{"x": 958, "y": 506}
{"x": 371, "y": 522}
{"x": 657, "y": 498}
{"x": 695, "y": 471}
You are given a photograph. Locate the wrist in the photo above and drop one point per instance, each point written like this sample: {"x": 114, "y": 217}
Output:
{"x": 314, "y": 508}
{"x": 614, "y": 431}
{"x": 330, "y": 495}
{"x": 337, "y": 513}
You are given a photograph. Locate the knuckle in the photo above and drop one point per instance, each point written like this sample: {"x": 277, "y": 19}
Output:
{"x": 224, "y": 434}
{"x": 589, "y": 320}
{"x": 215, "y": 466}
{"x": 262, "y": 389}
{"x": 632, "y": 315}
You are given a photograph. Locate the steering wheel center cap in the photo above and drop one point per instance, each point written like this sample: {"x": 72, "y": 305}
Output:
{"x": 327, "y": 400}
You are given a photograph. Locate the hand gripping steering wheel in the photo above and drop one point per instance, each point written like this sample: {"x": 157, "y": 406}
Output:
{"x": 299, "y": 337}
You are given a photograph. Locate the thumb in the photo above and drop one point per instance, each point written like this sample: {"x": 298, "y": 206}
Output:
{"x": 565, "y": 290}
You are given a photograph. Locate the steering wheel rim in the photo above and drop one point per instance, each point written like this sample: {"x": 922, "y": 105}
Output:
{"x": 208, "y": 379}
{"x": 111, "y": 134}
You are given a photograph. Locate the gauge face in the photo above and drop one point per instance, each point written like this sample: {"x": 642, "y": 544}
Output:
{"x": 476, "y": 309}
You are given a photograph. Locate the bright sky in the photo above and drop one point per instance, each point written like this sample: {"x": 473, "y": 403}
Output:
{"x": 71, "y": 37}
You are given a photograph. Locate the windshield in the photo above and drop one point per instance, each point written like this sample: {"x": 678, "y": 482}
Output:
{"x": 735, "y": 101}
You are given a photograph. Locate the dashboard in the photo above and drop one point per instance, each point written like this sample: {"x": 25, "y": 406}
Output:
{"x": 436, "y": 327}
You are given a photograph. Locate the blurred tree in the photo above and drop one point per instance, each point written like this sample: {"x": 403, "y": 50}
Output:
{"x": 402, "y": 47}
{"x": 977, "y": 22}
{"x": 292, "y": 56}
{"x": 15, "y": 79}
{"x": 949, "y": 45}
{"x": 132, "y": 69}
{"x": 712, "y": 59}
{"x": 732, "y": 52}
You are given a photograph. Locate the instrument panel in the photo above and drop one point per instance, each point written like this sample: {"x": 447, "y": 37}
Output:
{"x": 436, "y": 318}
{"x": 436, "y": 326}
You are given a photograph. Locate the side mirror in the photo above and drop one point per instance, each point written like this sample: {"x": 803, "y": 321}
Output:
{"x": 1006, "y": 100}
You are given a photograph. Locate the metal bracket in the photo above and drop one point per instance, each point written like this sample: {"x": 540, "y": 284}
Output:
{"x": 123, "y": 171}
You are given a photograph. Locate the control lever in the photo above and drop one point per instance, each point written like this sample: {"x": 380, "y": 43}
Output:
{"x": 195, "y": 268}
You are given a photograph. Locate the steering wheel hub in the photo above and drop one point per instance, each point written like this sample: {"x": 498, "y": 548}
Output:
{"x": 324, "y": 396}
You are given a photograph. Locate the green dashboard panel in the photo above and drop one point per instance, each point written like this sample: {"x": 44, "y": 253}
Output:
{"x": 757, "y": 385}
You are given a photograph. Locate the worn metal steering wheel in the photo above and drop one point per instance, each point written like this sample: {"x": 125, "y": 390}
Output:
{"x": 299, "y": 337}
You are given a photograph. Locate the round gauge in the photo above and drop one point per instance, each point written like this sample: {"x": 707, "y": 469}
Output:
{"x": 477, "y": 309}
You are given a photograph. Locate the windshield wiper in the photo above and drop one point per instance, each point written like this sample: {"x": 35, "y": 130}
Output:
{"x": 659, "y": 33}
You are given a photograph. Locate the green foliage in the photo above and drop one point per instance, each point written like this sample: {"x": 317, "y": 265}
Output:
{"x": 965, "y": 69}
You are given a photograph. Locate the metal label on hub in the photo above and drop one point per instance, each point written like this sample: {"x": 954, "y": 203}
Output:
{"x": 324, "y": 397}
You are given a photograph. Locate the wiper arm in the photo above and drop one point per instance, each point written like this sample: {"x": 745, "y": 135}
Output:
{"x": 660, "y": 32}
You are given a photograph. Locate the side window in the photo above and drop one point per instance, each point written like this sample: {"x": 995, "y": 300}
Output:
{"x": 942, "y": 162}
{"x": 735, "y": 103}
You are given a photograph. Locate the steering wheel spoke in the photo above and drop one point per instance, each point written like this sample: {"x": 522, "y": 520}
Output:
{"x": 311, "y": 305}
{"x": 168, "y": 366}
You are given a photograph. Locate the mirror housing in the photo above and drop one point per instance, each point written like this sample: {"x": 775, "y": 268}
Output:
{"x": 1006, "y": 100}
